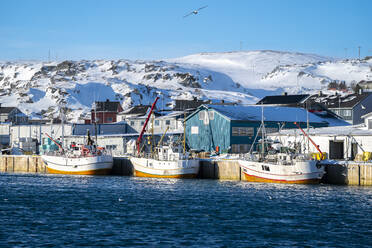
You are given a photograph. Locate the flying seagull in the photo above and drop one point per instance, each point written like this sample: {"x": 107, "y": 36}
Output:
{"x": 195, "y": 11}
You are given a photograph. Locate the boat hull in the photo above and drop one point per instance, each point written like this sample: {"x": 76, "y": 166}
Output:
{"x": 302, "y": 172}
{"x": 94, "y": 165}
{"x": 144, "y": 167}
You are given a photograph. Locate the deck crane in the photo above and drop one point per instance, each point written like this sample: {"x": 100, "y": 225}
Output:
{"x": 144, "y": 125}
{"x": 316, "y": 146}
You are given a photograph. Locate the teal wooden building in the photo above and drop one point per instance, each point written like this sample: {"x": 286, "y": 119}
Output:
{"x": 233, "y": 128}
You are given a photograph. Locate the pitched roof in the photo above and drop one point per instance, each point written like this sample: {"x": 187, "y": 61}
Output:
{"x": 107, "y": 106}
{"x": 188, "y": 104}
{"x": 271, "y": 113}
{"x": 338, "y": 101}
{"x": 137, "y": 110}
{"x": 283, "y": 99}
{"x": 6, "y": 110}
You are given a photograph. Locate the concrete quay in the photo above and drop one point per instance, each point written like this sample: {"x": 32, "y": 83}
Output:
{"x": 22, "y": 164}
{"x": 350, "y": 173}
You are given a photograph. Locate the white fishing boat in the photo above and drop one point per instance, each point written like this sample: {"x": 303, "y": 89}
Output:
{"x": 167, "y": 162}
{"x": 281, "y": 168}
{"x": 80, "y": 160}
{"x": 170, "y": 161}
{"x": 278, "y": 164}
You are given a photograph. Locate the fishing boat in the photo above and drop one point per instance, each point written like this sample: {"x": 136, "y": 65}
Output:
{"x": 167, "y": 161}
{"x": 278, "y": 164}
{"x": 281, "y": 168}
{"x": 78, "y": 159}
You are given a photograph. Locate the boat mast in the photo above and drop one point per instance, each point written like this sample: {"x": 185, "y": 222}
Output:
{"x": 63, "y": 128}
{"x": 184, "y": 133}
{"x": 152, "y": 135}
{"x": 263, "y": 133}
{"x": 95, "y": 121}
{"x": 307, "y": 122}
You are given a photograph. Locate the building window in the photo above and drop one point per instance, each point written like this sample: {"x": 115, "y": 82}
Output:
{"x": 142, "y": 123}
{"x": 167, "y": 122}
{"x": 347, "y": 112}
{"x": 201, "y": 115}
{"x": 132, "y": 123}
{"x": 157, "y": 122}
{"x": 211, "y": 115}
{"x": 243, "y": 131}
{"x": 194, "y": 130}
{"x": 240, "y": 148}
{"x": 111, "y": 147}
{"x": 109, "y": 119}
{"x": 271, "y": 129}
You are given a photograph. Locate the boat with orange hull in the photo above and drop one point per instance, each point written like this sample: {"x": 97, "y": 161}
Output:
{"x": 78, "y": 160}
{"x": 78, "y": 165}
{"x": 144, "y": 167}
{"x": 169, "y": 162}
{"x": 297, "y": 170}
{"x": 278, "y": 164}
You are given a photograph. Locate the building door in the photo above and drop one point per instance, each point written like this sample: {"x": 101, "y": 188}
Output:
{"x": 336, "y": 149}
{"x": 354, "y": 150}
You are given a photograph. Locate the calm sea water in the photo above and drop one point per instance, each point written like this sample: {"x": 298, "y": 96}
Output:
{"x": 76, "y": 211}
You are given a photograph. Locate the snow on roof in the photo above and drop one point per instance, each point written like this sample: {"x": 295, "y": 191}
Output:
{"x": 271, "y": 113}
{"x": 171, "y": 114}
{"x": 367, "y": 115}
{"x": 329, "y": 131}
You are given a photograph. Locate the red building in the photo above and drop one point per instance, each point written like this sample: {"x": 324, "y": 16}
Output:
{"x": 104, "y": 112}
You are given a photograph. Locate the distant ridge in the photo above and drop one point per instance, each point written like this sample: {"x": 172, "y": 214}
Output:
{"x": 38, "y": 88}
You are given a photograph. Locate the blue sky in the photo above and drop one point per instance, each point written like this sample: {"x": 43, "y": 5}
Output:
{"x": 149, "y": 29}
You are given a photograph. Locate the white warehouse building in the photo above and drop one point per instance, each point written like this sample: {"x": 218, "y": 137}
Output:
{"x": 340, "y": 143}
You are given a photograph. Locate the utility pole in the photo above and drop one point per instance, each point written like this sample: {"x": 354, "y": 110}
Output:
{"x": 345, "y": 53}
{"x": 49, "y": 55}
{"x": 359, "y": 51}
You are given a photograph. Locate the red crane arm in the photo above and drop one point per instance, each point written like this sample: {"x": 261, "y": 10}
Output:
{"x": 144, "y": 125}
{"x": 316, "y": 146}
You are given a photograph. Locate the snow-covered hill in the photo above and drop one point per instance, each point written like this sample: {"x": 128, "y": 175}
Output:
{"x": 38, "y": 88}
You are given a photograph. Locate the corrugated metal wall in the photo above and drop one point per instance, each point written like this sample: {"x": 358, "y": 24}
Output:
{"x": 212, "y": 131}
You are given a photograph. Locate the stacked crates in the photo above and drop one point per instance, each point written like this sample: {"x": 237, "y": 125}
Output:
{"x": 48, "y": 146}
{"x": 318, "y": 156}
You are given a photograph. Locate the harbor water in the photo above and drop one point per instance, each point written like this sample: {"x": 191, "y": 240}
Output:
{"x": 75, "y": 211}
